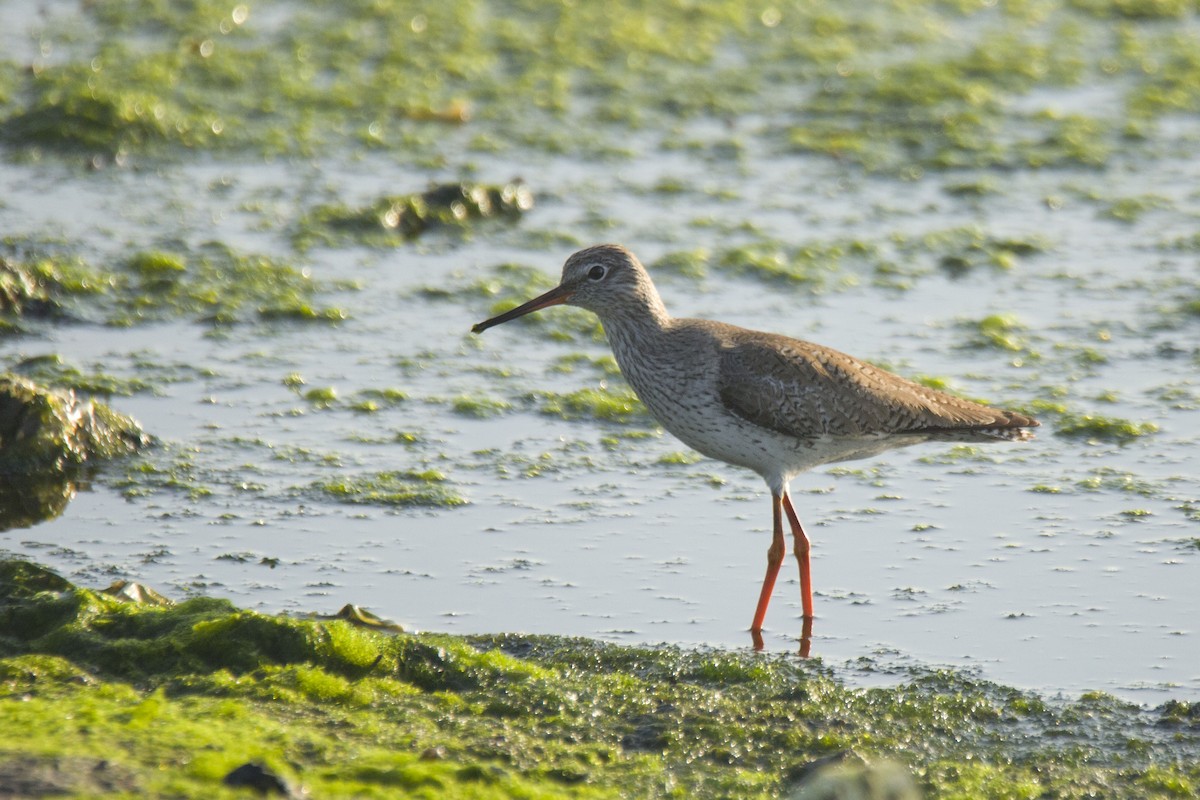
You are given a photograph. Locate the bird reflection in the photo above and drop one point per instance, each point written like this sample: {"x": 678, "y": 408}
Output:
{"x": 805, "y": 638}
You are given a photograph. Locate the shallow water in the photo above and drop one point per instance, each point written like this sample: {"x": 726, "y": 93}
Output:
{"x": 1062, "y": 565}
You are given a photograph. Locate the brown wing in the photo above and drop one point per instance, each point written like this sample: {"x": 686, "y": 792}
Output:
{"x": 805, "y": 390}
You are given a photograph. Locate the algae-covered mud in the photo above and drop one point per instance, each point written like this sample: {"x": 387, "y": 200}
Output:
{"x": 107, "y": 697}
{"x": 264, "y": 230}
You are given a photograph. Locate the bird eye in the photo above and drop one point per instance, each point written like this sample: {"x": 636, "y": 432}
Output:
{"x": 596, "y": 272}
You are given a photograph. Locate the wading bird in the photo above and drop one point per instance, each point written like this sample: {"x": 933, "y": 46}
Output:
{"x": 776, "y": 405}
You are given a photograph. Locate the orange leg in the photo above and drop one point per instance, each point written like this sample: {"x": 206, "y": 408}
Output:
{"x": 774, "y": 559}
{"x": 803, "y": 546}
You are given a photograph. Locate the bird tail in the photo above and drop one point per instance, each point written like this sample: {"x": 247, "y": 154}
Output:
{"x": 1009, "y": 426}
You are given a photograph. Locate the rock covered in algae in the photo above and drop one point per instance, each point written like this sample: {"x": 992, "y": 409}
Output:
{"x": 46, "y": 437}
{"x": 408, "y": 216}
{"x": 44, "y": 430}
{"x": 23, "y": 291}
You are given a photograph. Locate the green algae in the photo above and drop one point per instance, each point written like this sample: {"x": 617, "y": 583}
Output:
{"x": 150, "y": 264}
{"x": 53, "y": 370}
{"x": 1095, "y": 426}
{"x": 150, "y": 376}
{"x": 217, "y": 285}
{"x": 169, "y": 468}
{"x": 680, "y": 458}
{"x": 893, "y": 260}
{"x": 321, "y": 396}
{"x": 293, "y": 380}
{"x": 1000, "y": 331}
{"x": 962, "y": 249}
{"x": 1110, "y": 479}
{"x": 604, "y": 365}
{"x": 604, "y": 402}
{"x": 688, "y": 263}
{"x": 811, "y": 264}
{"x": 479, "y": 406}
{"x": 947, "y": 111}
{"x": 395, "y": 488}
{"x": 370, "y": 401}
{"x": 177, "y": 695}
{"x": 38, "y": 287}
{"x": 75, "y": 107}
{"x": 211, "y": 283}
{"x": 904, "y": 87}
{"x": 1136, "y": 9}
{"x": 1130, "y": 209}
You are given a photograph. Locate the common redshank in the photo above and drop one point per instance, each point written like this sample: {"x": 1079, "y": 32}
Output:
{"x": 776, "y": 405}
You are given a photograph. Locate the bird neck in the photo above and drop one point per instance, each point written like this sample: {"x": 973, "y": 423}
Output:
{"x": 630, "y": 332}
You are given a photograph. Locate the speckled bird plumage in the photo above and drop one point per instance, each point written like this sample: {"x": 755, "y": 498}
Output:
{"x": 776, "y": 405}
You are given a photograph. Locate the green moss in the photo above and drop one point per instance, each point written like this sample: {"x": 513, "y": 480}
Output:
{"x": 212, "y": 283}
{"x": 175, "y": 696}
{"x": 903, "y": 87}
{"x": 1114, "y": 480}
{"x": 392, "y": 489}
{"x": 945, "y": 111}
{"x": 386, "y": 397}
{"x": 689, "y": 263}
{"x": 1092, "y": 426}
{"x": 1130, "y": 209}
{"x": 479, "y": 406}
{"x": 1136, "y": 9}
{"x": 154, "y": 264}
{"x": 53, "y": 370}
{"x": 612, "y": 404}
{"x": 322, "y": 396}
{"x": 680, "y": 458}
{"x": 963, "y": 249}
{"x": 74, "y": 107}
{"x": 1170, "y": 781}
{"x": 605, "y": 365}
{"x": 301, "y": 312}
{"x": 1164, "y": 65}
{"x": 1002, "y": 331}
{"x": 170, "y": 468}
{"x": 809, "y": 264}
{"x": 39, "y": 287}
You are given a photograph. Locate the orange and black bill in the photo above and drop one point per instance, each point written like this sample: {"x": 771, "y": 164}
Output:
{"x": 554, "y": 297}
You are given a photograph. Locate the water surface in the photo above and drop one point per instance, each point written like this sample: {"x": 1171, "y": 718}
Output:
{"x": 1062, "y": 565}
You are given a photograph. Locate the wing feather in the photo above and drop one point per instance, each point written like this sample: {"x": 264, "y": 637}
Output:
{"x": 805, "y": 390}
